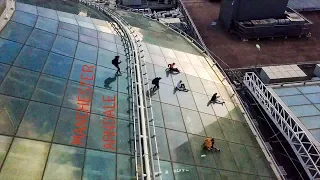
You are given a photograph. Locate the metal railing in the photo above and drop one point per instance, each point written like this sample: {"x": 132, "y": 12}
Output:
{"x": 143, "y": 93}
{"x": 135, "y": 114}
{"x": 301, "y": 144}
{"x": 206, "y": 51}
{"x": 209, "y": 53}
{"x": 140, "y": 93}
{"x": 225, "y": 77}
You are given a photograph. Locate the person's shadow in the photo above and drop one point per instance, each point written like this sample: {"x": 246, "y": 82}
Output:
{"x": 171, "y": 72}
{"x": 110, "y": 80}
{"x": 175, "y": 90}
{"x": 151, "y": 92}
{"x": 210, "y": 102}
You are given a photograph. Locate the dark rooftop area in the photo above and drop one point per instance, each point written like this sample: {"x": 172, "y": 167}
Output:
{"x": 238, "y": 54}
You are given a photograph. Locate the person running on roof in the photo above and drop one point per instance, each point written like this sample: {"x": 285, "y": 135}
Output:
{"x": 181, "y": 86}
{"x": 172, "y": 68}
{"x": 155, "y": 82}
{"x": 214, "y": 99}
{"x": 116, "y": 63}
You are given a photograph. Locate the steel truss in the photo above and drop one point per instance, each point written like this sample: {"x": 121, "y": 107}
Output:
{"x": 301, "y": 144}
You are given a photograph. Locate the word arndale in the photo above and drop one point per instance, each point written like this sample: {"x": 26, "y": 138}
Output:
{"x": 109, "y": 122}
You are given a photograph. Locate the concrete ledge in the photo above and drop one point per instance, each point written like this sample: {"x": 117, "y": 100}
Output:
{"x": 2, "y": 6}
{"x": 7, "y": 8}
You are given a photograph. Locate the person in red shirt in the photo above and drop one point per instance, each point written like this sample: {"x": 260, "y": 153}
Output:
{"x": 172, "y": 68}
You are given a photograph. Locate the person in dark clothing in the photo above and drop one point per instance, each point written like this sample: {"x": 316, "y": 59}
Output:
{"x": 116, "y": 63}
{"x": 155, "y": 82}
{"x": 213, "y": 145}
{"x": 214, "y": 99}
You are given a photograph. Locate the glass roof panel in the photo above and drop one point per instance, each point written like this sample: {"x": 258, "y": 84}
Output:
{"x": 295, "y": 100}
{"x": 287, "y": 91}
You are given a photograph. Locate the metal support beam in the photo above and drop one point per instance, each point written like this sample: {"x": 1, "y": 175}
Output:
{"x": 291, "y": 130}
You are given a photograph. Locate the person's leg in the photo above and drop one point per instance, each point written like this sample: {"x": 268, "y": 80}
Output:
{"x": 215, "y": 148}
{"x": 118, "y": 69}
{"x": 183, "y": 87}
{"x": 154, "y": 86}
{"x": 157, "y": 85}
{"x": 219, "y": 102}
{"x": 176, "y": 70}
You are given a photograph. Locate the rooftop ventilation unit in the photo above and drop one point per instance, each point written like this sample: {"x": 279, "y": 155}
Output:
{"x": 253, "y": 19}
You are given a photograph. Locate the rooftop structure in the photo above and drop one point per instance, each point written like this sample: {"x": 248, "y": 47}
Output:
{"x": 66, "y": 114}
{"x": 237, "y": 54}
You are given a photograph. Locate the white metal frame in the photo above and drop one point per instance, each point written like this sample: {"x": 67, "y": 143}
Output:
{"x": 301, "y": 144}
{"x": 146, "y": 132}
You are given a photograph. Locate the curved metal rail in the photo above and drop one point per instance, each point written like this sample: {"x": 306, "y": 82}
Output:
{"x": 135, "y": 118}
{"x": 208, "y": 52}
{"x": 141, "y": 99}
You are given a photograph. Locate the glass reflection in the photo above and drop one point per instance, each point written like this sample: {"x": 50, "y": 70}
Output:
{"x": 66, "y": 126}
{"x": 26, "y": 160}
{"x": 19, "y": 83}
{"x": 50, "y": 90}
{"x": 39, "y": 121}
{"x": 11, "y": 112}
{"x": 64, "y": 163}
{"x": 9, "y": 51}
{"x": 179, "y": 147}
{"x": 99, "y": 165}
{"x": 31, "y": 58}
{"x": 24, "y": 18}
{"x": 4, "y": 146}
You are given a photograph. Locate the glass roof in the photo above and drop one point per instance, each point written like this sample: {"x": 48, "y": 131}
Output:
{"x": 304, "y": 102}
{"x": 51, "y": 119}
{"x": 183, "y": 119}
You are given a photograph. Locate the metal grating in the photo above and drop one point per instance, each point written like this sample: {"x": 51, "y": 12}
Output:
{"x": 305, "y": 150}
